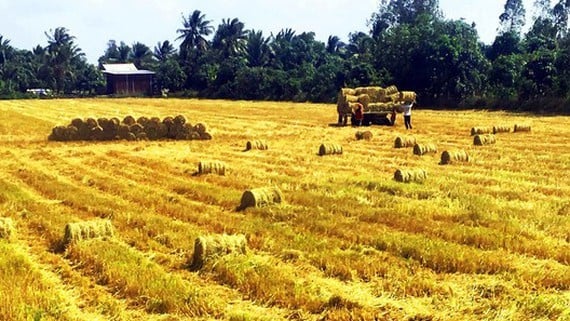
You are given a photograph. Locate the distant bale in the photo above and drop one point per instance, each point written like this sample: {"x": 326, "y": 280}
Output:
{"x": 6, "y": 228}
{"x": 211, "y": 167}
{"x": 366, "y": 135}
{"x": 179, "y": 120}
{"x": 72, "y": 133}
{"x": 449, "y": 157}
{"x": 200, "y": 128}
{"x": 404, "y": 142}
{"x": 522, "y": 128}
{"x": 501, "y": 129}
{"x": 211, "y": 246}
{"x": 75, "y": 232}
{"x": 482, "y": 140}
{"x": 260, "y": 197}
{"x": 422, "y": 149}
{"x": 408, "y": 176}
{"x": 480, "y": 130}
{"x": 256, "y": 144}
{"x": 330, "y": 149}
{"x": 129, "y": 120}
{"x": 77, "y": 122}
{"x": 58, "y": 133}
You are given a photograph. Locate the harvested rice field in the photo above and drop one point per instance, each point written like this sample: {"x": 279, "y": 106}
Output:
{"x": 107, "y": 230}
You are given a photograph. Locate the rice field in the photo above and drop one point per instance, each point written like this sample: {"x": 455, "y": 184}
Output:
{"x": 487, "y": 239}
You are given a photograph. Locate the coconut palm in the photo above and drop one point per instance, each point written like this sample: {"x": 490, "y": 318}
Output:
{"x": 196, "y": 27}
{"x": 334, "y": 45}
{"x": 163, "y": 51}
{"x": 63, "y": 54}
{"x": 230, "y": 38}
{"x": 141, "y": 55}
{"x": 258, "y": 51}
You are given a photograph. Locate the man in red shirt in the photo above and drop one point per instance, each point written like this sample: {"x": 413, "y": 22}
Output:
{"x": 359, "y": 114}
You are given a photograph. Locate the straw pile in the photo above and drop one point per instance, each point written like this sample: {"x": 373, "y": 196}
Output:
{"x": 408, "y": 176}
{"x": 260, "y": 197}
{"x": 422, "y": 149}
{"x": 487, "y": 139}
{"x": 129, "y": 128}
{"x": 449, "y": 157}
{"x": 480, "y": 130}
{"x": 374, "y": 99}
{"x": 208, "y": 247}
{"x": 256, "y": 144}
{"x": 75, "y": 232}
{"x": 404, "y": 141}
{"x": 6, "y": 228}
{"x": 522, "y": 128}
{"x": 213, "y": 167}
{"x": 330, "y": 149}
{"x": 501, "y": 129}
{"x": 366, "y": 135}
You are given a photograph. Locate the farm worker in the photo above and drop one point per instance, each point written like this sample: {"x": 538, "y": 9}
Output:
{"x": 359, "y": 114}
{"x": 407, "y": 110}
{"x": 393, "y": 117}
{"x": 342, "y": 118}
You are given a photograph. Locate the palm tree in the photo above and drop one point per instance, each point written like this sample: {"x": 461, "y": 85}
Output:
{"x": 196, "y": 27}
{"x": 164, "y": 51}
{"x": 230, "y": 38}
{"x": 140, "y": 55}
{"x": 334, "y": 45}
{"x": 258, "y": 50}
{"x": 63, "y": 53}
{"x": 125, "y": 53}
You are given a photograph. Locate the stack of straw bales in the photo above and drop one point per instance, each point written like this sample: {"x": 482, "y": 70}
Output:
{"x": 129, "y": 128}
{"x": 422, "y": 149}
{"x": 522, "y": 128}
{"x": 404, "y": 141}
{"x": 501, "y": 129}
{"x": 449, "y": 157}
{"x": 75, "y": 232}
{"x": 211, "y": 246}
{"x": 6, "y": 228}
{"x": 487, "y": 139}
{"x": 212, "y": 167}
{"x": 480, "y": 130}
{"x": 330, "y": 149}
{"x": 366, "y": 135}
{"x": 374, "y": 99}
{"x": 259, "y": 197}
{"x": 256, "y": 144}
{"x": 408, "y": 176}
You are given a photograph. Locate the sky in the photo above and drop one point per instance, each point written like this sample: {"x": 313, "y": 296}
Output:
{"x": 94, "y": 22}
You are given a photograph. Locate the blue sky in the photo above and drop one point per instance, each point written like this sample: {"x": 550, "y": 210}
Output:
{"x": 95, "y": 22}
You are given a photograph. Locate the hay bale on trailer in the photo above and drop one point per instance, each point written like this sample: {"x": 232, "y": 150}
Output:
{"x": 365, "y": 100}
{"x": 330, "y": 149}
{"x": 381, "y": 107}
{"x": 211, "y": 246}
{"x": 449, "y": 157}
{"x": 487, "y": 139}
{"x": 522, "y": 128}
{"x": 501, "y": 129}
{"x": 391, "y": 90}
{"x": 408, "y": 176}
{"x": 260, "y": 197}
{"x": 256, "y": 144}
{"x": 480, "y": 130}
{"x": 366, "y": 135}
{"x": 376, "y": 94}
{"x": 6, "y": 228}
{"x": 422, "y": 149}
{"x": 408, "y": 96}
{"x": 211, "y": 167}
{"x": 75, "y": 232}
{"x": 404, "y": 141}
{"x": 347, "y": 91}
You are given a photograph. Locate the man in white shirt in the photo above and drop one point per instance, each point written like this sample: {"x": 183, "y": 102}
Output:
{"x": 407, "y": 110}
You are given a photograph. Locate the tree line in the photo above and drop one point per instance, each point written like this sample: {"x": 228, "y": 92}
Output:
{"x": 410, "y": 44}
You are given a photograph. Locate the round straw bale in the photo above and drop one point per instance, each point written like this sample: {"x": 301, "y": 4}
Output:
{"x": 6, "y": 228}
{"x": 212, "y": 167}
{"x": 123, "y": 131}
{"x": 77, "y": 122}
{"x": 96, "y": 133}
{"x": 91, "y": 123}
{"x": 102, "y": 122}
{"x": 152, "y": 129}
{"x": 487, "y": 139}
{"x": 58, "y": 133}
{"x": 522, "y": 128}
{"x": 501, "y": 129}
{"x": 143, "y": 121}
{"x": 407, "y": 176}
{"x": 350, "y": 99}
{"x": 391, "y": 90}
{"x": 180, "y": 120}
{"x": 422, "y": 149}
{"x": 184, "y": 132}
{"x": 480, "y": 130}
{"x": 131, "y": 137}
{"x": 256, "y": 144}
{"x": 205, "y": 136}
{"x": 136, "y": 128}
{"x": 72, "y": 133}
{"x": 366, "y": 135}
{"x": 195, "y": 136}
{"x": 330, "y": 149}
{"x": 141, "y": 136}
{"x": 212, "y": 246}
{"x": 404, "y": 141}
{"x": 75, "y": 232}
{"x": 364, "y": 100}
{"x": 129, "y": 120}
{"x": 200, "y": 128}
{"x": 260, "y": 197}
{"x": 449, "y": 157}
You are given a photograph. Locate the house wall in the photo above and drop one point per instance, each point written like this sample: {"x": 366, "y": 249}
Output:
{"x": 129, "y": 84}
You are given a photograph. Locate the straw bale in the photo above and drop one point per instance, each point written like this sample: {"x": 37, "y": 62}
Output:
{"x": 96, "y": 133}
{"x": 422, "y": 149}
{"x": 481, "y": 130}
{"x": 212, "y": 167}
{"x": 200, "y": 128}
{"x": 152, "y": 129}
{"x": 72, "y": 133}
{"x": 259, "y": 197}
{"x": 364, "y": 99}
{"x": 366, "y": 135}
{"x": 408, "y": 176}
{"x": 77, "y": 122}
{"x": 404, "y": 141}
{"x": 501, "y": 129}
{"x": 58, "y": 133}
{"x": 376, "y": 94}
{"x": 205, "y": 136}
{"x": 330, "y": 149}
{"x": 123, "y": 131}
{"x": 75, "y": 232}
{"x": 256, "y": 144}
{"x": 487, "y": 139}
{"x": 347, "y": 91}
{"x": 449, "y": 157}
{"x": 381, "y": 107}
{"x": 91, "y": 123}
{"x": 6, "y": 228}
{"x": 131, "y": 137}
{"x": 141, "y": 136}
{"x": 391, "y": 90}
{"x": 180, "y": 120}
{"x": 143, "y": 121}
{"x": 408, "y": 96}
{"x": 395, "y": 98}
{"x": 129, "y": 120}
{"x": 195, "y": 136}
{"x": 212, "y": 246}
{"x": 136, "y": 128}
{"x": 350, "y": 98}
{"x": 522, "y": 128}
{"x": 102, "y": 122}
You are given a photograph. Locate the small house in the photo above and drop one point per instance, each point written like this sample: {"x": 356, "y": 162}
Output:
{"x": 127, "y": 80}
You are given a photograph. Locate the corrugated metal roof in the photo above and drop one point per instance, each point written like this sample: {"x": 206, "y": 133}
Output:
{"x": 120, "y": 69}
